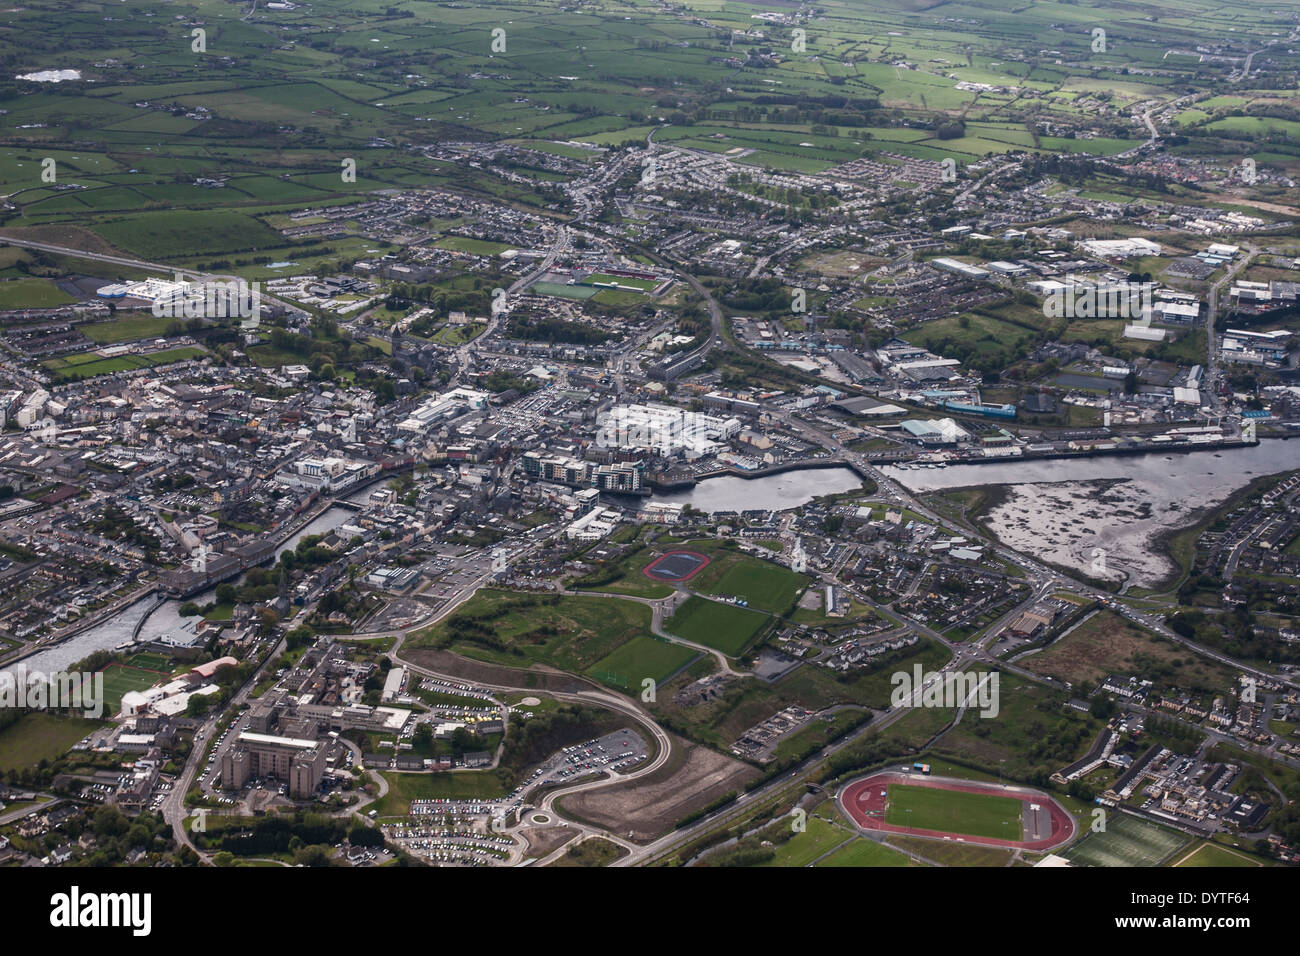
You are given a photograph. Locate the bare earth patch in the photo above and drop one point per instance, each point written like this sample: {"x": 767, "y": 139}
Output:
{"x": 543, "y": 841}
{"x": 648, "y": 807}
{"x": 73, "y": 237}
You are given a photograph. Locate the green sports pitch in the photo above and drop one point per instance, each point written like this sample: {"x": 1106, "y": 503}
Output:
{"x": 121, "y": 678}
{"x": 954, "y": 811}
{"x": 1127, "y": 841}
{"x": 621, "y": 282}
{"x": 643, "y": 656}
{"x": 722, "y": 626}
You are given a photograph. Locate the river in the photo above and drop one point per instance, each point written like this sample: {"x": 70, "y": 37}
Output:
{"x": 161, "y": 618}
{"x": 779, "y": 492}
{"x": 1102, "y": 515}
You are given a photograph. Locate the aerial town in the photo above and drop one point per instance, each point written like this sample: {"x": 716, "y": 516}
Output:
{"x": 911, "y": 453}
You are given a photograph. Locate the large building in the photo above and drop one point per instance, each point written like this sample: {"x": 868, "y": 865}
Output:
{"x": 619, "y": 476}
{"x": 441, "y": 408}
{"x": 297, "y": 761}
{"x": 939, "y": 431}
{"x": 1121, "y": 248}
{"x": 665, "y": 430}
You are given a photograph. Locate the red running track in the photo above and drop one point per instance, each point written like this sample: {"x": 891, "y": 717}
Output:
{"x": 864, "y": 802}
{"x": 704, "y": 562}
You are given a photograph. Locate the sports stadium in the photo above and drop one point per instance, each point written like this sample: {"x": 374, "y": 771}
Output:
{"x": 948, "y": 808}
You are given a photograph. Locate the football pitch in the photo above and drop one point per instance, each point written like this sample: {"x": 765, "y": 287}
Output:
{"x": 120, "y": 678}
{"x": 723, "y": 626}
{"x": 1126, "y": 841}
{"x": 643, "y": 656}
{"x": 954, "y": 811}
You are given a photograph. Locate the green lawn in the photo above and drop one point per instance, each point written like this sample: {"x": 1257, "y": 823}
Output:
{"x": 643, "y": 656}
{"x": 75, "y": 367}
{"x": 31, "y": 294}
{"x": 766, "y": 586}
{"x": 801, "y": 849}
{"x": 863, "y": 852}
{"x": 38, "y": 736}
{"x": 953, "y": 811}
{"x": 724, "y": 627}
{"x": 119, "y": 678}
{"x": 126, "y": 329}
{"x": 1212, "y": 855}
{"x": 463, "y": 784}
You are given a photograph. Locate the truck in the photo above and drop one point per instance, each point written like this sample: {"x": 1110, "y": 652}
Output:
{"x": 923, "y": 767}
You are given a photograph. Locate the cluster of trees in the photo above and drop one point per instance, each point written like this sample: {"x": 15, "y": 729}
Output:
{"x": 310, "y": 837}
{"x": 553, "y": 330}
{"x": 771, "y": 296}
{"x": 531, "y": 741}
{"x": 475, "y": 301}
{"x": 116, "y": 835}
{"x": 1234, "y": 632}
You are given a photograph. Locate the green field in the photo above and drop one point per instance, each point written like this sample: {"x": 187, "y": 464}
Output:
{"x": 817, "y": 840}
{"x": 158, "y": 236}
{"x": 467, "y": 784}
{"x": 120, "y": 678}
{"x": 864, "y": 852}
{"x": 625, "y": 577}
{"x": 724, "y": 627}
{"x": 126, "y": 329}
{"x": 150, "y": 661}
{"x": 974, "y": 814}
{"x": 478, "y": 247}
{"x": 39, "y": 735}
{"x": 1213, "y": 855}
{"x": 87, "y": 365}
{"x": 766, "y": 586}
{"x": 643, "y": 656}
{"x": 625, "y": 283}
{"x": 32, "y": 293}
{"x": 571, "y": 633}
{"x": 564, "y": 291}
{"x": 1127, "y": 841}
